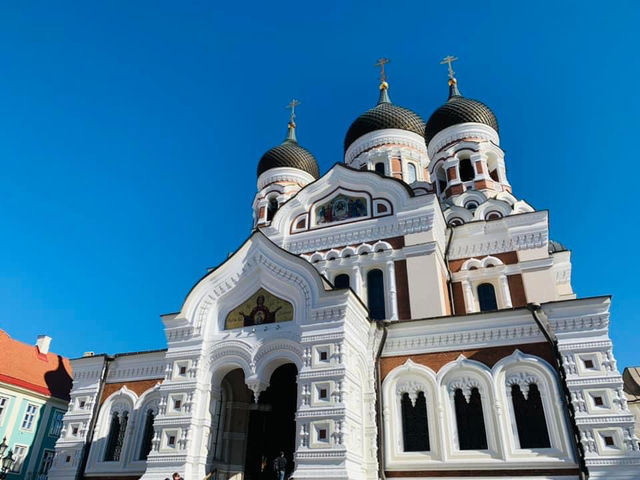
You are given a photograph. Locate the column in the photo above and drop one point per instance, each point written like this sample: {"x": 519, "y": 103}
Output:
{"x": 468, "y": 296}
{"x": 505, "y": 292}
{"x": 391, "y": 288}
{"x": 356, "y": 274}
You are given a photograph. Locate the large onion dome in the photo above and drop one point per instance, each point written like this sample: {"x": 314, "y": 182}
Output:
{"x": 289, "y": 154}
{"x": 456, "y": 110}
{"x": 384, "y": 115}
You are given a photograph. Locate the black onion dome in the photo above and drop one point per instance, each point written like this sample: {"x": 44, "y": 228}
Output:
{"x": 384, "y": 115}
{"x": 289, "y": 154}
{"x": 458, "y": 109}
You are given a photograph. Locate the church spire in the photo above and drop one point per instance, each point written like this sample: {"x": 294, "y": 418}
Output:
{"x": 453, "y": 83}
{"x": 384, "y": 86}
{"x": 291, "y": 134}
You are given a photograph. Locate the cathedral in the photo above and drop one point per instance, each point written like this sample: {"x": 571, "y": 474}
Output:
{"x": 403, "y": 315}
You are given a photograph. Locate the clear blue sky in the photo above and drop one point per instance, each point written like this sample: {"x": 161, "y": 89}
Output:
{"x": 130, "y": 134}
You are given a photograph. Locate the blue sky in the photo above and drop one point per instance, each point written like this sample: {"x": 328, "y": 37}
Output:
{"x": 130, "y": 134}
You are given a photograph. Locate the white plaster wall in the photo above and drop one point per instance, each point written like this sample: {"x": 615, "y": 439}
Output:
{"x": 425, "y": 287}
{"x": 540, "y": 286}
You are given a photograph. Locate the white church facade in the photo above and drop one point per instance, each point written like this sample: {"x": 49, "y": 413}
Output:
{"x": 404, "y": 315}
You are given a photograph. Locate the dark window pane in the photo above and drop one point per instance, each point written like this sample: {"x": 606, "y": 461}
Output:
{"x": 375, "y": 294}
{"x": 470, "y": 419}
{"x": 147, "y": 436}
{"x": 532, "y": 427}
{"x": 112, "y": 439}
{"x": 380, "y": 168}
{"x": 272, "y": 208}
{"x": 415, "y": 428}
{"x": 341, "y": 281}
{"x": 467, "y": 172}
{"x": 487, "y": 297}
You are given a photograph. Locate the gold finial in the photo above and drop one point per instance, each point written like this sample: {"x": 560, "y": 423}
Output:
{"x": 383, "y": 76}
{"x": 448, "y": 60}
{"x": 292, "y": 105}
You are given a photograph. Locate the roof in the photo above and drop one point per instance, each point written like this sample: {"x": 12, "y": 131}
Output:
{"x": 23, "y": 365}
{"x": 457, "y": 110}
{"x": 384, "y": 115}
{"x": 289, "y": 154}
{"x": 631, "y": 379}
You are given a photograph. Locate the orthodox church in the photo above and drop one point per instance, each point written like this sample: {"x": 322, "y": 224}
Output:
{"x": 403, "y": 315}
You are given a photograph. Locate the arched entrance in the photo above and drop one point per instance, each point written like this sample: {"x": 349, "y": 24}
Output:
{"x": 248, "y": 436}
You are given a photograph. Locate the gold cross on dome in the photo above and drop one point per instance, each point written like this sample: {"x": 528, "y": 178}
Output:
{"x": 292, "y": 105}
{"x": 448, "y": 60}
{"x": 381, "y": 63}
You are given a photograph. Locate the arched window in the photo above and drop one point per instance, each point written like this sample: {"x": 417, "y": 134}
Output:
{"x": 272, "y": 208}
{"x": 375, "y": 294}
{"x": 467, "y": 172}
{"x": 470, "y": 419}
{"x": 412, "y": 174}
{"x": 493, "y": 215}
{"x": 379, "y": 168}
{"x": 147, "y": 435}
{"x": 529, "y": 413}
{"x": 341, "y": 281}
{"x": 115, "y": 439}
{"x": 415, "y": 428}
{"x": 487, "y": 297}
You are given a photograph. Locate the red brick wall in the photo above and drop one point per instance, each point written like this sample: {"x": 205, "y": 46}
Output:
{"x": 488, "y": 356}
{"x": 402, "y": 290}
{"x": 139, "y": 387}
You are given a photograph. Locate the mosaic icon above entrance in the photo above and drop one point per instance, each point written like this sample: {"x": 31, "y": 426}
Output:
{"x": 261, "y": 307}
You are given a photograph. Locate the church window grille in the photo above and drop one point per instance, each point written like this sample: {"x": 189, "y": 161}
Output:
{"x": 115, "y": 440}
{"x": 379, "y": 168}
{"x": 341, "y": 281}
{"x": 147, "y": 435}
{"x": 487, "y": 297}
{"x": 375, "y": 294}
{"x": 530, "y": 420}
{"x": 272, "y": 208}
{"x": 415, "y": 429}
{"x": 470, "y": 419}
{"x": 412, "y": 174}
{"x": 467, "y": 173}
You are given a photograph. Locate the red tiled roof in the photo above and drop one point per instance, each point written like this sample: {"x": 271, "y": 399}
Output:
{"x": 24, "y": 366}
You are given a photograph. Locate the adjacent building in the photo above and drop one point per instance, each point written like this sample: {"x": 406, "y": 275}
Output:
{"x": 34, "y": 392}
{"x": 403, "y": 315}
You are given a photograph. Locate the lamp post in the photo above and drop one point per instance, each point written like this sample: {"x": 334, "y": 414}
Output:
{"x": 7, "y": 462}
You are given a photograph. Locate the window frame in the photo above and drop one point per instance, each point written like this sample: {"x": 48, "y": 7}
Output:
{"x": 30, "y": 416}
{"x": 55, "y": 429}
{"x": 23, "y": 457}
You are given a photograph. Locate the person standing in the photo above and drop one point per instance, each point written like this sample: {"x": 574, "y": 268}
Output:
{"x": 280, "y": 466}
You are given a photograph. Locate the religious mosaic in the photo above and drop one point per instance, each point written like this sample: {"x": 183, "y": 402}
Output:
{"x": 261, "y": 307}
{"x": 341, "y": 207}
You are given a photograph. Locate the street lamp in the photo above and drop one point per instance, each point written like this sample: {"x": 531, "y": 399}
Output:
{"x": 7, "y": 462}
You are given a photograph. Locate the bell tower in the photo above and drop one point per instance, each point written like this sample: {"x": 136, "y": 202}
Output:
{"x": 463, "y": 143}
{"x": 282, "y": 172}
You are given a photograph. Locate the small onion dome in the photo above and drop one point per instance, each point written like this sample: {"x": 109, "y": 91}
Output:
{"x": 383, "y": 115}
{"x": 458, "y": 109}
{"x": 289, "y": 154}
{"x": 555, "y": 247}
